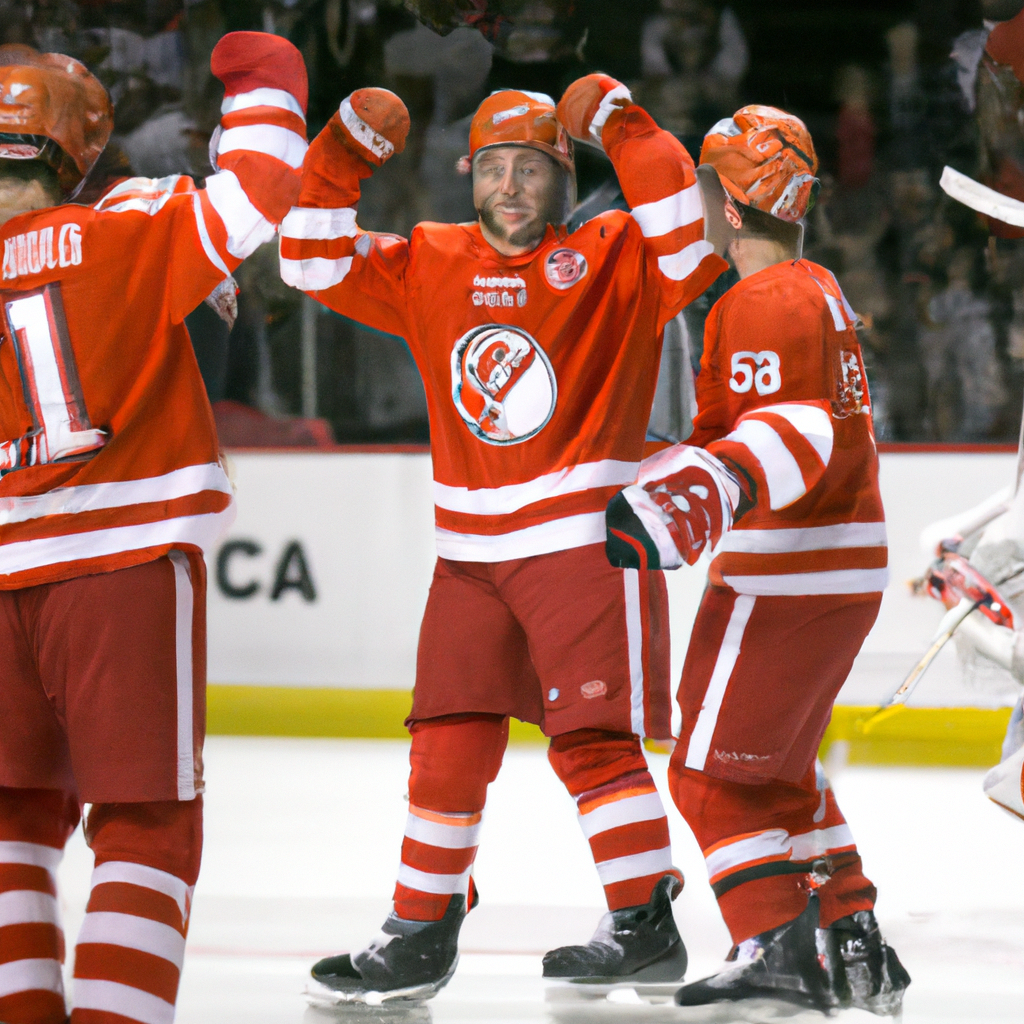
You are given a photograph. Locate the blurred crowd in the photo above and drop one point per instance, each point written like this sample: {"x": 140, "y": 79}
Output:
{"x": 891, "y": 92}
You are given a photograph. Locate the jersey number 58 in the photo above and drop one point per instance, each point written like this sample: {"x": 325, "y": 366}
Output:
{"x": 759, "y": 370}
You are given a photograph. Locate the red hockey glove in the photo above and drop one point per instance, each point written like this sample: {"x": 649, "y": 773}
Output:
{"x": 680, "y": 508}
{"x": 262, "y": 135}
{"x": 250, "y": 61}
{"x": 373, "y": 124}
{"x": 587, "y": 103}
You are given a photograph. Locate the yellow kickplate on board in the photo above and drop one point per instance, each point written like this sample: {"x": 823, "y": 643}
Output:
{"x": 913, "y": 736}
{"x": 319, "y": 711}
{"x": 965, "y": 737}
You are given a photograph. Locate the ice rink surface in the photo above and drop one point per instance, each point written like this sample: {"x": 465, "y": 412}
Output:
{"x": 302, "y": 844}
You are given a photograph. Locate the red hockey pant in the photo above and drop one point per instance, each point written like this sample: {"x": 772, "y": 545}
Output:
{"x": 130, "y": 950}
{"x": 757, "y": 690}
{"x": 456, "y": 757}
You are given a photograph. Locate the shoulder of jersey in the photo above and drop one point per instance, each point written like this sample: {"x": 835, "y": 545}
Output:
{"x": 144, "y": 195}
{"x": 787, "y": 286}
{"x": 443, "y": 236}
{"x": 609, "y": 222}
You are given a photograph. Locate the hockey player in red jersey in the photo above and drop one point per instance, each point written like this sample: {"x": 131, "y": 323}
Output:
{"x": 780, "y": 481}
{"x": 539, "y": 353}
{"x": 111, "y": 487}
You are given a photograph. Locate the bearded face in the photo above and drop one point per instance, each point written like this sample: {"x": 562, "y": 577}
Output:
{"x": 517, "y": 192}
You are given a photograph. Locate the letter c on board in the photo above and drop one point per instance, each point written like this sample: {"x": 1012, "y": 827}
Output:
{"x": 250, "y": 549}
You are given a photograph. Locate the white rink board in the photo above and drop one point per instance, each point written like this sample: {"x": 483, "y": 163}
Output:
{"x": 365, "y": 526}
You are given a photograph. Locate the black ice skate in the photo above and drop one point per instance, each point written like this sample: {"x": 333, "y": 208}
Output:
{"x": 864, "y": 972}
{"x": 635, "y": 944}
{"x": 780, "y": 964}
{"x": 409, "y": 960}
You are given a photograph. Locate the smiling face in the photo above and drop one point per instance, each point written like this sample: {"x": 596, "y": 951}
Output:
{"x": 517, "y": 192}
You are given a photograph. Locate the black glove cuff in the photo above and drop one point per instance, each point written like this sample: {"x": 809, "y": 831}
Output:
{"x": 628, "y": 545}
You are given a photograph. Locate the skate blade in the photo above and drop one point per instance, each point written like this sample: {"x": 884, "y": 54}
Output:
{"x": 620, "y": 993}
{"x": 360, "y": 1013}
{"x": 771, "y": 1011}
{"x": 751, "y": 1011}
{"x": 358, "y": 1003}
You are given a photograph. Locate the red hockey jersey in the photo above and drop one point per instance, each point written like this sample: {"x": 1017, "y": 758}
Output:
{"x": 539, "y": 369}
{"x": 782, "y": 399}
{"x": 108, "y": 450}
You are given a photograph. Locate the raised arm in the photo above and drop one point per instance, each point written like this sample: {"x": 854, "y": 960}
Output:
{"x": 196, "y": 237}
{"x": 360, "y": 274}
{"x": 657, "y": 179}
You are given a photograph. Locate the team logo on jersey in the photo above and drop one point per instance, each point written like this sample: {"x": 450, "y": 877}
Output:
{"x": 502, "y": 383}
{"x": 564, "y": 267}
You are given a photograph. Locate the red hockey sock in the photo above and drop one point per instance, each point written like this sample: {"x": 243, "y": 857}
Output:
{"x": 132, "y": 943}
{"x": 34, "y": 826}
{"x": 453, "y": 761}
{"x": 620, "y": 811}
{"x": 767, "y": 846}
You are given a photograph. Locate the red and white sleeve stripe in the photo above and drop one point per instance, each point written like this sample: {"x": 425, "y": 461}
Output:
{"x": 261, "y": 140}
{"x": 784, "y": 448}
{"x": 674, "y": 228}
{"x": 660, "y": 185}
{"x": 317, "y": 247}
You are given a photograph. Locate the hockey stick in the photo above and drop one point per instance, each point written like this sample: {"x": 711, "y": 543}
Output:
{"x": 951, "y": 621}
{"x": 981, "y": 198}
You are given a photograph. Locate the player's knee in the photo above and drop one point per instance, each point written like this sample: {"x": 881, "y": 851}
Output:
{"x": 163, "y": 834}
{"x": 454, "y": 759}
{"x": 587, "y": 758}
{"x": 45, "y": 816}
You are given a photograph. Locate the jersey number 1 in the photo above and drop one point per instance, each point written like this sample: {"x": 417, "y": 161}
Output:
{"x": 49, "y": 379}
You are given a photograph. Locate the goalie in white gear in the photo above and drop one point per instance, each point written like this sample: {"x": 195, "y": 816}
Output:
{"x": 991, "y": 537}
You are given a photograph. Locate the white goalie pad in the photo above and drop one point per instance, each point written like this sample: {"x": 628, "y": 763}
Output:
{"x": 1003, "y": 784}
{"x": 981, "y": 198}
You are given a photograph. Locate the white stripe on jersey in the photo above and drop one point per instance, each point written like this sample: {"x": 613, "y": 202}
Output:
{"x": 201, "y": 530}
{"x": 308, "y": 222}
{"x": 810, "y": 420}
{"x": 555, "y": 535}
{"x": 155, "y": 192}
{"x": 247, "y": 228}
{"x": 810, "y": 538}
{"x": 272, "y": 139}
{"x": 87, "y": 497}
{"x": 665, "y": 215}
{"x": 800, "y": 584}
{"x": 316, "y": 273}
{"x": 609, "y": 102}
{"x": 262, "y": 97}
{"x": 781, "y": 470}
{"x": 680, "y": 265}
{"x": 363, "y": 133}
{"x": 204, "y": 237}
{"x": 497, "y": 501}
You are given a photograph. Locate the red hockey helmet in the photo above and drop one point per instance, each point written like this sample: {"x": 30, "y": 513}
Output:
{"x": 52, "y": 109}
{"x": 765, "y": 159}
{"x": 513, "y": 117}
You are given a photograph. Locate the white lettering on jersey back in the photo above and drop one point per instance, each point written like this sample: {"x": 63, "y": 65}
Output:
{"x": 32, "y": 252}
